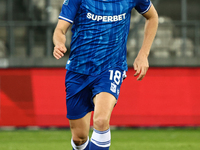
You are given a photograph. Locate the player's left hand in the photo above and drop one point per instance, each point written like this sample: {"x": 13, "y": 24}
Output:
{"x": 141, "y": 66}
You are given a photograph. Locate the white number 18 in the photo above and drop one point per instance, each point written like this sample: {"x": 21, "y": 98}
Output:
{"x": 116, "y": 76}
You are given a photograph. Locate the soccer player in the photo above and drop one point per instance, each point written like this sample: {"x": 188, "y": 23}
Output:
{"x": 97, "y": 62}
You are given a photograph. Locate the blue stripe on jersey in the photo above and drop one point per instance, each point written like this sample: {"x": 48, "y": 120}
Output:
{"x": 100, "y": 33}
{"x": 143, "y": 6}
{"x": 66, "y": 19}
{"x": 146, "y": 9}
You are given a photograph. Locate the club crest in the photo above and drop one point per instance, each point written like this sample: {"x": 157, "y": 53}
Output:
{"x": 66, "y": 2}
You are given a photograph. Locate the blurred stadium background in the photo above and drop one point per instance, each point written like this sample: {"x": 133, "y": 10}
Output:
{"x": 32, "y": 81}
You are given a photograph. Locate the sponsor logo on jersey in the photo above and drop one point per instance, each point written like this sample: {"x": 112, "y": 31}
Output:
{"x": 66, "y": 2}
{"x": 106, "y": 18}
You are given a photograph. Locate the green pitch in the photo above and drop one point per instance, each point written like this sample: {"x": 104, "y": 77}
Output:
{"x": 124, "y": 139}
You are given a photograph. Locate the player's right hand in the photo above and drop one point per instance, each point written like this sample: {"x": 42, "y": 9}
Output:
{"x": 59, "y": 51}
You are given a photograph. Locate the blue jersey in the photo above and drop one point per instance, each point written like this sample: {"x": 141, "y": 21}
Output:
{"x": 99, "y": 33}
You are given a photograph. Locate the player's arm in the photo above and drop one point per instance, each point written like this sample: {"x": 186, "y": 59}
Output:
{"x": 141, "y": 63}
{"x": 59, "y": 38}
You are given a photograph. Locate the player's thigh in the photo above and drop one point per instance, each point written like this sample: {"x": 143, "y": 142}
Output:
{"x": 104, "y": 103}
{"x": 80, "y": 127}
{"x": 78, "y": 95}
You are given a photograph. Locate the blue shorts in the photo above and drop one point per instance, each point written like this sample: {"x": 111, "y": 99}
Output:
{"x": 81, "y": 89}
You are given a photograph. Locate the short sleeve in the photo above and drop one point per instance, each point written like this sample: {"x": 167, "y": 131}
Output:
{"x": 142, "y": 6}
{"x": 69, "y": 10}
